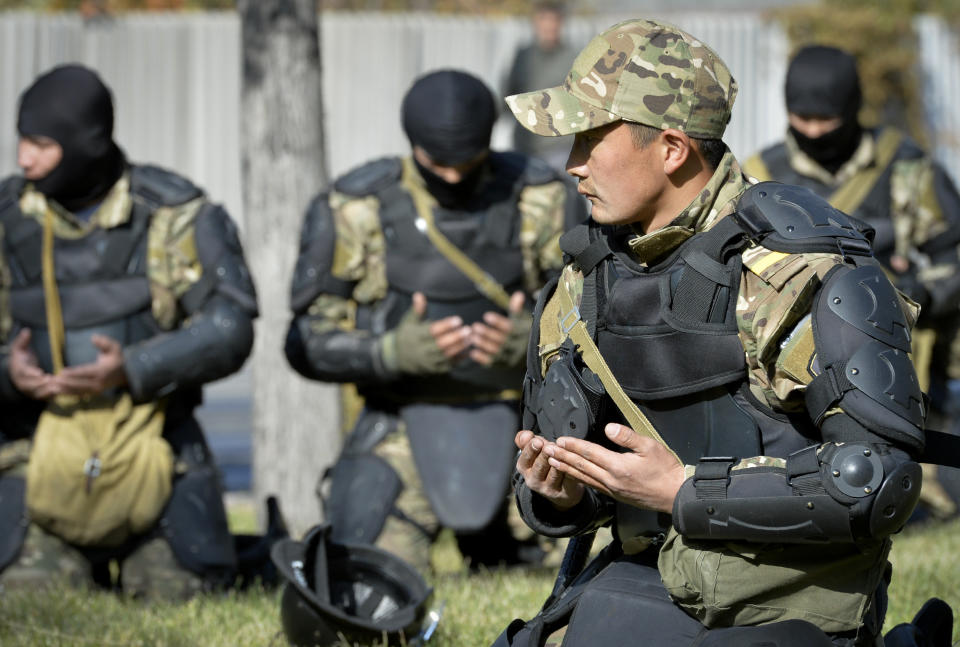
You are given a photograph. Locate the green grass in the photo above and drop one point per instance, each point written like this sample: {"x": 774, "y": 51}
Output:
{"x": 477, "y": 606}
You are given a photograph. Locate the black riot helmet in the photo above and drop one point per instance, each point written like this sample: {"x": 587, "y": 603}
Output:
{"x": 358, "y": 591}
{"x": 72, "y": 106}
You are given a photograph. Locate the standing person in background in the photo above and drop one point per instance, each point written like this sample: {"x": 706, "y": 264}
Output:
{"x": 882, "y": 177}
{"x": 415, "y": 280}
{"x": 123, "y": 290}
{"x": 542, "y": 63}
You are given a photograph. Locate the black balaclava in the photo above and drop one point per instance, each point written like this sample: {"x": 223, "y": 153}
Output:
{"x": 450, "y": 115}
{"x": 71, "y": 105}
{"x": 823, "y": 81}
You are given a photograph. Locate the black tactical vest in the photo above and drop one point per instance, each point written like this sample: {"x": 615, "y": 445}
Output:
{"x": 668, "y": 332}
{"x": 488, "y": 232}
{"x": 101, "y": 278}
{"x": 875, "y": 208}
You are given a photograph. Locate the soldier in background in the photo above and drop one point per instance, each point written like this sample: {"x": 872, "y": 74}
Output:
{"x": 542, "y": 63}
{"x": 415, "y": 280}
{"x": 882, "y": 177}
{"x": 122, "y": 291}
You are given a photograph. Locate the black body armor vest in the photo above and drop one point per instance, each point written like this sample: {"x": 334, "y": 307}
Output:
{"x": 669, "y": 334}
{"x": 487, "y": 231}
{"x": 875, "y": 208}
{"x": 101, "y": 277}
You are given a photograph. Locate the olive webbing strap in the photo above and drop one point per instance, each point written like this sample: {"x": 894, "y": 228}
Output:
{"x": 849, "y": 197}
{"x": 576, "y": 329}
{"x": 486, "y": 284}
{"x": 757, "y": 168}
{"x": 51, "y": 296}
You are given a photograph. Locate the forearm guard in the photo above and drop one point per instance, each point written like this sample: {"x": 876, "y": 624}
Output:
{"x": 215, "y": 344}
{"x": 831, "y": 493}
{"x": 591, "y": 513}
{"x": 336, "y": 355}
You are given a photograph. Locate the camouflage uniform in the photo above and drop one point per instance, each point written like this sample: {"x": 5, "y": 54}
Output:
{"x": 175, "y": 255}
{"x": 359, "y": 260}
{"x": 915, "y": 209}
{"x": 657, "y": 75}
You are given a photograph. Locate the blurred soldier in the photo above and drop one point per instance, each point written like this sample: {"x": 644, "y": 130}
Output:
{"x": 883, "y": 178}
{"x": 542, "y": 63}
{"x": 122, "y": 291}
{"x": 721, "y": 374}
{"x": 414, "y": 280}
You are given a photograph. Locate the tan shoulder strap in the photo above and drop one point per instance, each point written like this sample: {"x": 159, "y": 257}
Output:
{"x": 755, "y": 167}
{"x": 51, "y": 296}
{"x": 573, "y": 325}
{"x": 849, "y": 197}
{"x": 423, "y": 202}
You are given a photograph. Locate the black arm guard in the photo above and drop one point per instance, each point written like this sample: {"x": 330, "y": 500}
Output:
{"x": 593, "y": 511}
{"x": 335, "y": 356}
{"x": 832, "y": 493}
{"x": 214, "y": 345}
{"x": 221, "y": 306}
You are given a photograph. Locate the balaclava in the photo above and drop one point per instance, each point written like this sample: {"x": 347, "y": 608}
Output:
{"x": 823, "y": 81}
{"x": 72, "y": 106}
{"x": 450, "y": 115}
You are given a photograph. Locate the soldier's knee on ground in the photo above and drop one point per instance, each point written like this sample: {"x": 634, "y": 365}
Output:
{"x": 46, "y": 561}
{"x": 152, "y": 572}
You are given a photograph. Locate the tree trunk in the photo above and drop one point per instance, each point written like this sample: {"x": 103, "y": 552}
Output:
{"x": 295, "y": 422}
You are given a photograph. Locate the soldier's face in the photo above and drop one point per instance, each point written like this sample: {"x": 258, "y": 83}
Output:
{"x": 38, "y": 156}
{"x": 814, "y": 126}
{"x": 451, "y": 174}
{"x": 622, "y": 182}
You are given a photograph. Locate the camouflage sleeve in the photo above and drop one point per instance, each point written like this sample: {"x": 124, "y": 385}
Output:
{"x": 322, "y": 342}
{"x": 543, "y": 213}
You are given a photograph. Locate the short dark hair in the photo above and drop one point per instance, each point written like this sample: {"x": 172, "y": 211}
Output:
{"x": 711, "y": 149}
{"x": 551, "y": 5}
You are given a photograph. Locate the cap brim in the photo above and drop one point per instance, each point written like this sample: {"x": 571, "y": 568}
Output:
{"x": 555, "y": 112}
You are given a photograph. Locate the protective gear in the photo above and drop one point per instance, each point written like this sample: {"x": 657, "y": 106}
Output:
{"x": 254, "y": 565}
{"x": 463, "y": 455}
{"x": 840, "y": 493}
{"x": 823, "y": 81}
{"x": 72, "y": 106}
{"x": 514, "y": 347}
{"x": 931, "y": 627}
{"x": 355, "y": 478}
{"x": 410, "y": 349}
{"x": 450, "y": 115}
{"x": 487, "y": 232}
{"x": 830, "y": 150}
{"x": 12, "y": 517}
{"x": 360, "y": 592}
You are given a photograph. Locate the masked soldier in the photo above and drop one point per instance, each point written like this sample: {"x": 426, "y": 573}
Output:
{"x": 414, "y": 281}
{"x": 883, "y": 178}
{"x": 122, "y": 291}
{"x": 721, "y": 373}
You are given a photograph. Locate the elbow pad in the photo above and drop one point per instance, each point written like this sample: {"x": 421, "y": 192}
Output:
{"x": 336, "y": 355}
{"x": 215, "y": 344}
{"x": 832, "y": 493}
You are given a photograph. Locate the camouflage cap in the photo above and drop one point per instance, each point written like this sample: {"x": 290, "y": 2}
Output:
{"x": 640, "y": 70}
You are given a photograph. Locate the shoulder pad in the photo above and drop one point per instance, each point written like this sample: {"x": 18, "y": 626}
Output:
{"x": 371, "y": 177}
{"x": 530, "y": 170}
{"x": 160, "y": 187}
{"x": 10, "y": 190}
{"x": 793, "y": 219}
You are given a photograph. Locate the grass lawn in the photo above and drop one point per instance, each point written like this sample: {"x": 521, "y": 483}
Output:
{"x": 477, "y": 606}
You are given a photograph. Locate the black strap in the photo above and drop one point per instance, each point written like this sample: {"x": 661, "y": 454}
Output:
{"x": 712, "y": 476}
{"x": 826, "y": 389}
{"x": 941, "y": 448}
{"x": 803, "y": 471}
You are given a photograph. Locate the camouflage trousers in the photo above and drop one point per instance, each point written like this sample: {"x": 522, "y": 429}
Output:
{"x": 148, "y": 570}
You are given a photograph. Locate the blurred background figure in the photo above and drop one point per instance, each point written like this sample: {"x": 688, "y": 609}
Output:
{"x": 416, "y": 280}
{"x": 124, "y": 291}
{"x": 882, "y": 177}
{"x": 540, "y": 64}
